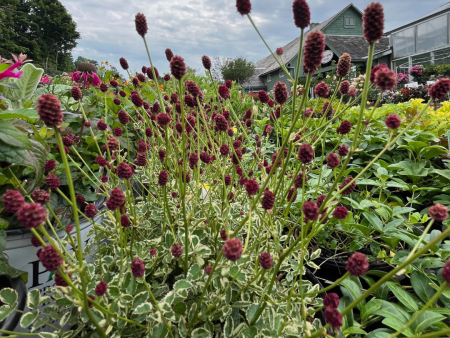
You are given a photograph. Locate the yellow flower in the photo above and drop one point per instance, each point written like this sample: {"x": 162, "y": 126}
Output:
{"x": 235, "y": 129}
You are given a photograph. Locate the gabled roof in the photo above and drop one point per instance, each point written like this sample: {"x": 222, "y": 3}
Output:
{"x": 440, "y": 10}
{"x": 356, "y": 46}
{"x": 269, "y": 64}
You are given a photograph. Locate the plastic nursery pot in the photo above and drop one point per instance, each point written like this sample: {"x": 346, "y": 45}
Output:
{"x": 21, "y": 254}
{"x": 12, "y": 322}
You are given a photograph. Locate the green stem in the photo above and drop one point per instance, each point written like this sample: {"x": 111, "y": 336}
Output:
{"x": 336, "y": 283}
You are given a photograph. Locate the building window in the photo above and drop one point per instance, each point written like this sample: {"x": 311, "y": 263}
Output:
{"x": 281, "y": 73}
{"x": 432, "y": 34}
{"x": 404, "y": 43}
{"x": 269, "y": 78}
{"x": 349, "y": 21}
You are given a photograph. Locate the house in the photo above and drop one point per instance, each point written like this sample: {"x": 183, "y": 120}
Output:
{"x": 423, "y": 41}
{"x": 344, "y": 34}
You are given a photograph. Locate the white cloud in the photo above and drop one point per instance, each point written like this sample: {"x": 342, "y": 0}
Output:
{"x": 192, "y": 28}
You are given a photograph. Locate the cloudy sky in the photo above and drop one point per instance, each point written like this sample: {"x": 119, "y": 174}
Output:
{"x": 192, "y": 28}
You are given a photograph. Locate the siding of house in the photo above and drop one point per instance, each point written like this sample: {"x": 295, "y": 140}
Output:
{"x": 337, "y": 26}
{"x": 275, "y": 76}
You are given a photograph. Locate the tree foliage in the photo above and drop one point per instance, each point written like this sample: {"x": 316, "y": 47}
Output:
{"x": 238, "y": 69}
{"x": 42, "y": 29}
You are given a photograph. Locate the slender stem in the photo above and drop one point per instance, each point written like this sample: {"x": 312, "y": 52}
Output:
{"x": 336, "y": 283}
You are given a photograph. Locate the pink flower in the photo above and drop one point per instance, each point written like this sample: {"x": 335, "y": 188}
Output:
{"x": 8, "y": 72}
{"x": 45, "y": 79}
{"x": 87, "y": 78}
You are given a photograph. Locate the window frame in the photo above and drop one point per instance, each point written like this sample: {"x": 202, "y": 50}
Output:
{"x": 280, "y": 73}
{"x": 350, "y": 25}
{"x": 269, "y": 77}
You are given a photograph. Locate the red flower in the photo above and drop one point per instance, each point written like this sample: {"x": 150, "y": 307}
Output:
{"x": 344, "y": 87}
{"x": 298, "y": 180}
{"x": 343, "y": 150}
{"x": 206, "y": 61}
{"x": 320, "y": 200}
{"x": 52, "y": 182}
{"x": 243, "y": 7}
{"x": 373, "y": 22}
{"x": 310, "y": 210}
{"x": 313, "y": 51}
{"x": 340, "y": 213}
{"x": 333, "y": 317}
{"x": 208, "y": 269}
{"x": 321, "y": 90}
{"x": 163, "y": 119}
{"x": 125, "y": 221}
{"x": 440, "y": 89}
{"x": 344, "y": 65}
{"x": 306, "y": 153}
{"x": 221, "y": 122}
{"x": 268, "y": 200}
{"x": 232, "y": 249}
{"x": 90, "y": 210}
{"x": 265, "y": 260}
{"x": 393, "y": 121}
{"x": 12, "y": 201}
{"x": 124, "y": 170}
{"x": 49, "y": 110}
{"x": 279, "y": 51}
{"x": 263, "y": 97}
{"x": 224, "y": 92}
{"x": 228, "y": 84}
{"x": 123, "y": 63}
{"x": 141, "y": 159}
{"x": 137, "y": 267}
{"x": 177, "y": 67}
{"x": 76, "y": 93}
{"x": 302, "y": 15}
{"x": 163, "y": 178}
{"x": 38, "y": 196}
{"x": 50, "y": 165}
{"x": 141, "y": 24}
{"x": 350, "y": 188}
{"x": 332, "y": 300}
{"x": 176, "y": 250}
{"x": 438, "y": 212}
{"x": 251, "y": 187}
{"x": 357, "y": 264}
{"x": 446, "y": 272}
{"x": 292, "y": 195}
{"x": 385, "y": 79}
{"x": 50, "y": 258}
{"x": 169, "y": 54}
{"x": 332, "y": 160}
{"x": 101, "y": 125}
{"x": 101, "y": 288}
{"x": 223, "y": 235}
{"x": 280, "y": 92}
{"x": 116, "y": 199}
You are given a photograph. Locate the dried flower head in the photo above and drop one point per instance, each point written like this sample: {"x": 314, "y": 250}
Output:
{"x": 344, "y": 65}
{"x": 141, "y": 24}
{"x": 313, "y": 51}
{"x": 232, "y": 249}
{"x": 438, "y": 212}
{"x": 357, "y": 264}
{"x": 243, "y": 7}
{"x": 373, "y": 22}
{"x": 49, "y": 110}
{"x": 12, "y": 201}
{"x": 177, "y": 67}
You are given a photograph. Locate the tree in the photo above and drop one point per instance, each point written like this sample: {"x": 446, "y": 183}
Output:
{"x": 43, "y": 29}
{"x": 81, "y": 59}
{"x": 238, "y": 69}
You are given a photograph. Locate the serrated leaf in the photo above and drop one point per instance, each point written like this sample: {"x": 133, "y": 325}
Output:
{"x": 8, "y": 296}
{"x": 143, "y": 308}
{"x": 34, "y": 298}
{"x": 182, "y": 284}
{"x": 28, "y": 318}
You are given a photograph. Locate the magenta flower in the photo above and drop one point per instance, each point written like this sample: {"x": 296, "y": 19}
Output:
{"x": 85, "y": 78}
{"x": 9, "y": 72}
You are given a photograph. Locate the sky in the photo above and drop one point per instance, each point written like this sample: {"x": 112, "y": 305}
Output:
{"x": 193, "y": 28}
